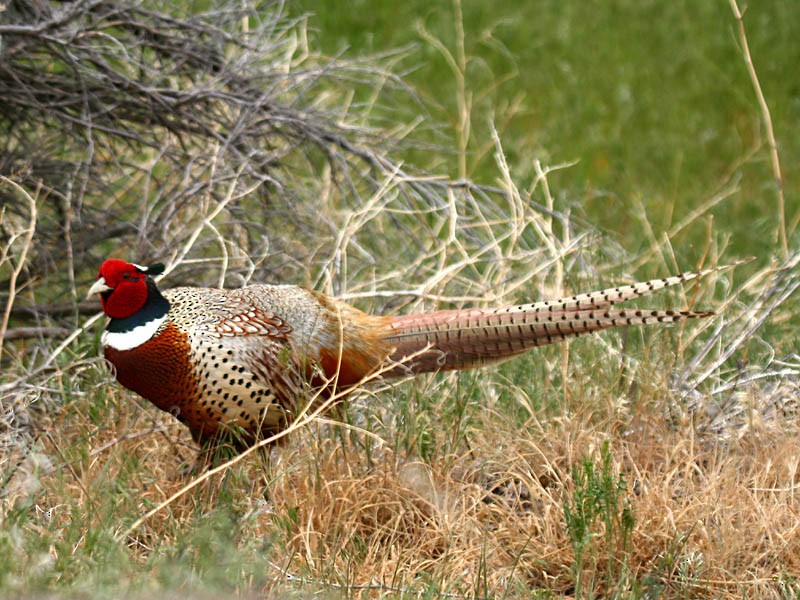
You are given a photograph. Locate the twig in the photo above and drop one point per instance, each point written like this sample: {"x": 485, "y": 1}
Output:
{"x": 27, "y": 238}
{"x": 157, "y": 428}
{"x": 765, "y": 115}
{"x": 740, "y": 328}
{"x": 21, "y": 333}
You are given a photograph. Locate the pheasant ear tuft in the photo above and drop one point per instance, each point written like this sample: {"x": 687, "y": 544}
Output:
{"x": 154, "y": 270}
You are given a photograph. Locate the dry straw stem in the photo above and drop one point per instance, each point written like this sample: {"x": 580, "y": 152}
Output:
{"x": 770, "y": 287}
{"x": 15, "y": 251}
{"x": 773, "y": 144}
{"x": 458, "y": 68}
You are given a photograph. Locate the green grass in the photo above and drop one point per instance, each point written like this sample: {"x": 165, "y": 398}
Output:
{"x": 651, "y": 98}
{"x": 599, "y": 510}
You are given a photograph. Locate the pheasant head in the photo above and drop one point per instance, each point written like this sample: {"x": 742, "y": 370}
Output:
{"x": 123, "y": 287}
{"x": 130, "y": 297}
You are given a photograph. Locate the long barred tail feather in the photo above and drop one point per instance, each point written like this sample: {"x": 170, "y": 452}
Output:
{"x": 462, "y": 339}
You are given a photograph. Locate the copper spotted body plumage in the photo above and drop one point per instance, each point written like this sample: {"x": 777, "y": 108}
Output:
{"x": 248, "y": 360}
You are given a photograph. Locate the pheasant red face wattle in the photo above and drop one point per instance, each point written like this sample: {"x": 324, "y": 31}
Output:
{"x": 122, "y": 287}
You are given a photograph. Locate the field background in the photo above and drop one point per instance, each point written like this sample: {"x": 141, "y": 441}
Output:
{"x": 651, "y": 100}
{"x": 502, "y": 153}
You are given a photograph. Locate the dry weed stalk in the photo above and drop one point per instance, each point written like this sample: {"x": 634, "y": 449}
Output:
{"x": 14, "y": 253}
{"x": 783, "y": 238}
{"x": 746, "y": 395}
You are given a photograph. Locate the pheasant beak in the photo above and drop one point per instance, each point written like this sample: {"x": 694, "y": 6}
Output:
{"x": 98, "y": 287}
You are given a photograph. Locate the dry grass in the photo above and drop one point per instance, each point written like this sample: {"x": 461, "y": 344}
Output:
{"x": 710, "y": 518}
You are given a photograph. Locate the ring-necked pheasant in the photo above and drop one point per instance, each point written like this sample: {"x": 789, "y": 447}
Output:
{"x": 248, "y": 359}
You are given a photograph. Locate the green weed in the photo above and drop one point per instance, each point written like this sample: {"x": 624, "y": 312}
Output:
{"x": 599, "y": 521}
